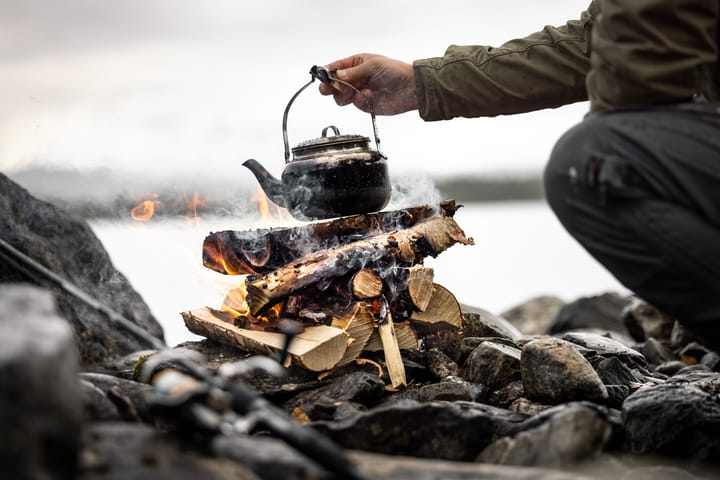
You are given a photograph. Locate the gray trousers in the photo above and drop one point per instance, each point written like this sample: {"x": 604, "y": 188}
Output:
{"x": 640, "y": 190}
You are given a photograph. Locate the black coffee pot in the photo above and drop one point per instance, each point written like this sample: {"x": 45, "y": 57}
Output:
{"x": 330, "y": 176}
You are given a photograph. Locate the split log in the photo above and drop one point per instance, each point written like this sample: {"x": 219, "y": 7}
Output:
{"x": 405, "y": 247}
{"x": 404, "y": 333}
{"x": 359, "y": 324}
{"x": 442, "y": 313}
{"x": 420, "y": 286}
{"x": 264, "y": 250}
{"x": 316, "y": 348}
{"x": 366, "y": 284}
{"x": 391, "y": 348}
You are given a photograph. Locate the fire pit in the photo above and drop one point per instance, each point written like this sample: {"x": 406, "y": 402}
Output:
{"x": 354, "y": 283}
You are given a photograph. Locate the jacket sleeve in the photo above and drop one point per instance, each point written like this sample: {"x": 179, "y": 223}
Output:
{"x": 543, "y": 70}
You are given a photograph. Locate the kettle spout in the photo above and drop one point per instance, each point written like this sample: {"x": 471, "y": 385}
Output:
{"x": 272, "y": 187}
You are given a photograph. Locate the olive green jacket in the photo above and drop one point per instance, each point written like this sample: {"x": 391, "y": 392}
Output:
{"x": 620, "y": 53}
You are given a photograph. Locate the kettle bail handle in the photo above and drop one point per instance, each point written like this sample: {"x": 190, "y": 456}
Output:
{"x": 326, "y": 76}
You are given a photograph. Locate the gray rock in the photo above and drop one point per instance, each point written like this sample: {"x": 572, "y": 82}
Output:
{"x": 535, "y": 316}
{"x": 565, "y": 435}
{"x": 447, "y": 342}
{"x": 493, "y": 365}
{"x": 523, "y": 406}
{"x": 677, "y": 419}
{"x": 670, "y": 368}
{"x": 613, "y": 372}
{"x": 692, "y": 353}
{"x": 712, "y": 361}
{"x": 453, "y": 389}
{"x": 482, "y": 323}
{"x": 443, "y": 430}
{"x": 130, "y": 451}
{"x": 69, "y": 248}
{"x": 97, "y": 407}
{"x": 601, "y": 312}
{"x": 644, "y": 321}
{"x": 553, "y": 372}
{"x": 358, "y": 387}
{"x": 440, "y": 365}
{"x": 656, "y": 352}
{"x": 128, "y": 397}
{"x": 40, "y": 398}
{"x": 606, "y": 346}
{"x": 506, "y": 395}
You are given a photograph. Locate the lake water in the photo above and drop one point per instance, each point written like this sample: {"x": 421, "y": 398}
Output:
{"x": 520, "y": 251}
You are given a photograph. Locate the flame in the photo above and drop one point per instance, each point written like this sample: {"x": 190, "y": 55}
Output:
{"x": 263, "y": 205}
{"x": 191, "y": 205}
{"x": 145, "y": 210}
{"x": 235, "y": 302}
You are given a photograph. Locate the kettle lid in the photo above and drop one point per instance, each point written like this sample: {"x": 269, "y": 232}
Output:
{"x": 337, "y": 141}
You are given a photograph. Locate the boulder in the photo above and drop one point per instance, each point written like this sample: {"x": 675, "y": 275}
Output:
{"x": 69, "y": 248}
{"x": 493, "y": 365}
{"x": 600, "y": 312}
{"x": 535, "y": 316}
{"x": 553, "y": 371}
{"x": 644, "y": 321}
{"x": 40, "y": 397}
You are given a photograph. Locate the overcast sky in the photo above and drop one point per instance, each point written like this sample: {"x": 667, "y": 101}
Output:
{"x": 199, "y": 86}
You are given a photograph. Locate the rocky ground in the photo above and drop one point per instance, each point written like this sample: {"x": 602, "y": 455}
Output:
{"x": 603, "y": 387}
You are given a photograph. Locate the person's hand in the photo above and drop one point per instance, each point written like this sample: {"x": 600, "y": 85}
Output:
{"x": 389, "y": 84}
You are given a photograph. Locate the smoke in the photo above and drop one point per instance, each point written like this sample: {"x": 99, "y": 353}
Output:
{"x": 412, "y": 191}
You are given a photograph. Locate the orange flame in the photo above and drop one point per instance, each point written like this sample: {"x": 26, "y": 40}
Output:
{"x": 145, "y": 210}
{"x": 263, "y": 205}
{"x": 235, "y": 302}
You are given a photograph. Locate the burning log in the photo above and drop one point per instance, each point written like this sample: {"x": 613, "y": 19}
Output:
{"x": 404, "y": 247}
{"x": 264, "y": 250}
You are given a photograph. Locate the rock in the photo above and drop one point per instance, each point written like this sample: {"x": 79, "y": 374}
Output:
{"x": 606, "y": 346}
{"x": 613, "y": 372}
{"x": 129, "y": 451}
{"x": 644, "y": 321}
{"x": 444, "y": 430}
{"x": 447, "y": 342}
{"x": 482, "y": 323}
{"x": 97, "y": 407}
{"x": 677, "y": 419}
{"x": 40, "y": 398}
{"x": 468, "y": 344}
{"x": 670, "y": 368}
{"x": 553, "y": 371}
{"x": 128, "y": 397}
{"x": 601, "y": 312}
{"x": 712, "y": 361}
{"x": 692, "y": 353}
{"x": 358, "y": 387}
{"x": 69, "y": 248}
{"x": 535, "y": 316}
{"x": 506, "y": 395}
{"x": 383, "y": 467}
{"x": 558, "y": 437}
{"x": 617, "y": 395}
{"x": 440, "y": 365}
{"x": 452, "y": 389}
{"x": 523, "y": 406}
{"x": 493, "y": 365}
{"x": 656, "y": 352}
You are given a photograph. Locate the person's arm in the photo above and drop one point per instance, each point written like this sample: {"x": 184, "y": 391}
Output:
{"x": 543, "y": 70}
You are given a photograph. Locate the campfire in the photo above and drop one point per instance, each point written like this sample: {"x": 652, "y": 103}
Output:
{"x": 354, "y": 283}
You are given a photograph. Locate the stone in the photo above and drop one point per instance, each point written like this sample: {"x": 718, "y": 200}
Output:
{"x": 558, "y": 437}
{"x": 552, "y": 371}
{"x": 617, "y": 395}
{"x": 40, "y": 398}
{"x": 443, "y": 430}
{"x": 692, "y": 353}
{"x": 358, "y": 387}
{"x": 68, "y": 247}
{"x": 447, "y": 341}
{"x": 493, "y": 365}
{"x": 452, "y": 389}
{"x": 505, "y": 396}
{"x": 128, "y": 397}
{"x": 97, "y": 407}
{"x": 711, "y": 360}
{"x": 601, "y": 312}
{"x": 606, "y": 346}
{"x": 670, "y": 368}
{"x": 613, "y": 372}
{"x": 534, "y": 316}
{"x": 657, "y": 352}
{"x": 523, "y": 406}
{"x": 481, "y": 323}
{"x": 468, "y": 344}
{"x": 644, "y": 321}
{"x": 129, "y": 451}
{"x": 677, "y": 419}
{"x": 440, "y": 365}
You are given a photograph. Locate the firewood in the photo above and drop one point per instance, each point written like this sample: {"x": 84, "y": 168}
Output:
{"x": 366, "y": 284}
{"x": 391, "y": 348}
{"x": 420, "y": 286}
{"x": 404, "y": 333}
{"x": 359, "y": 324}
{"x": 317, "y": 348}
{"x": 443, "y": 312}
{"x": 264, "y": 250}
{"x": 407, "y": 247}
